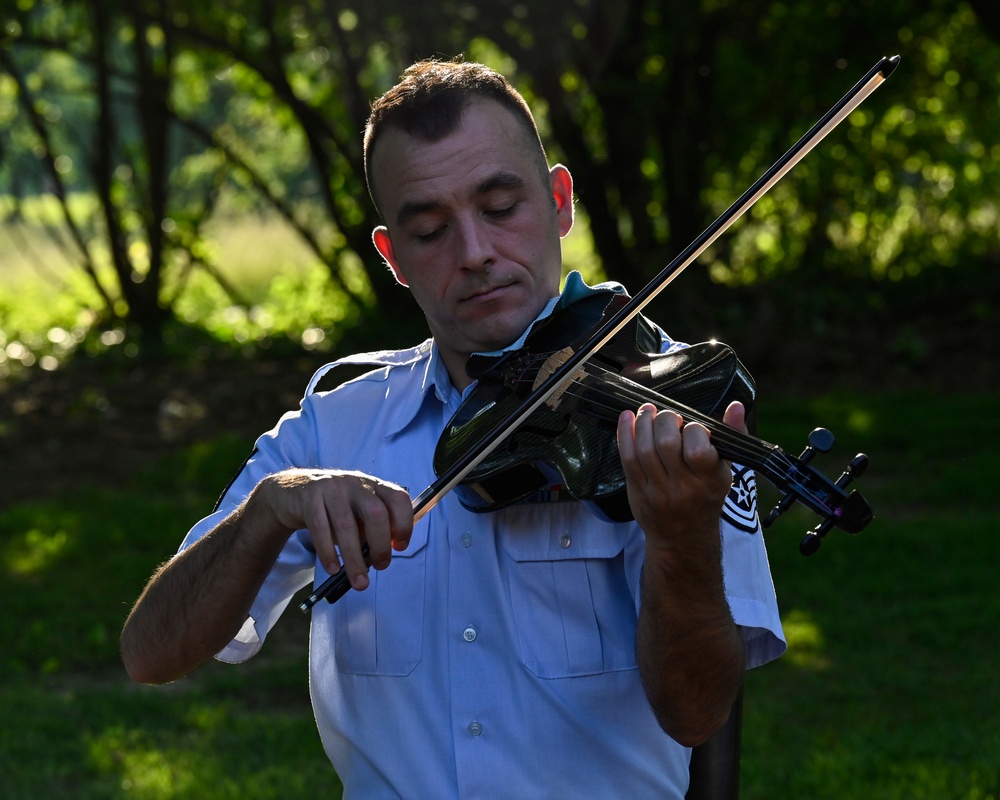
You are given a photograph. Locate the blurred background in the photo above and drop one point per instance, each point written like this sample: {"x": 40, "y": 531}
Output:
{"x": 185, "y": 237}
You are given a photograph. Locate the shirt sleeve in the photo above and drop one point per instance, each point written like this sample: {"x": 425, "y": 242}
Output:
{"x": 288, "y": 444}
{"x": 751, "y": 596}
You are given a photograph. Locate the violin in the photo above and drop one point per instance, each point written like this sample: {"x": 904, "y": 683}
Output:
{"x": 568, "y": 366}
{"x": 571, "y": 440}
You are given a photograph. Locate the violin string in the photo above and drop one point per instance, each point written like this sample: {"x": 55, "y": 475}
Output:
{"x": 738, "y": 444}
{"x": 638, "y": 394}
{"x": 743, "y": 446}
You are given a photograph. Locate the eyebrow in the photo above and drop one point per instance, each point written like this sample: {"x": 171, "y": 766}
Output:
{"x": 498, "y": 180}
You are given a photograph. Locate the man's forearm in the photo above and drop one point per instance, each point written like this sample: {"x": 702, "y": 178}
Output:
{"x": 690, "y": 653}
{"x": 197, "y": 602}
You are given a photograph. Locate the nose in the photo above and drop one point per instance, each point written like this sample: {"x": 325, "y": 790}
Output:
{"x": 474, "y": 244}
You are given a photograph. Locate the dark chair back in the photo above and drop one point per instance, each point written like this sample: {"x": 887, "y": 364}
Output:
{"x": 715, "y": 764}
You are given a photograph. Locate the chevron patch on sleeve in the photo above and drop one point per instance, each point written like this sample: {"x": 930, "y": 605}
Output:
{"x": 740, "y": 508}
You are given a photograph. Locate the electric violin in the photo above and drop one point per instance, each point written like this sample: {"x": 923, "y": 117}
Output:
{"x": 567, "y": 369}
{"x": 571, "y": 439}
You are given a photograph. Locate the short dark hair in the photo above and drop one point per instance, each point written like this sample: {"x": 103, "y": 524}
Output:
{"x": 429, "y": 99}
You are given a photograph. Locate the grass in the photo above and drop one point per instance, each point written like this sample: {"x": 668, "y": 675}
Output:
{"x": 888, "y": 689}
{"x": 74, "y": 726}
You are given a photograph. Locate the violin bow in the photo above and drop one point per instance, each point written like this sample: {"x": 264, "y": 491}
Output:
{"x": 336, "y": 586}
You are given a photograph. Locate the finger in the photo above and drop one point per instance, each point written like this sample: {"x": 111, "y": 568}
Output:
{"x": 736, "y": 416}
{"x": 628, "y": 447}
{"x": 317, "y": 522}
{"x": 651, "y": 430}
{"x": 347, "y": 534}
{"x": 698, "y": 452}
{"x": 374, "y": 522}
{"x": 667, "y": 434}
{"x": 400, "y": 508}
{"x": 626, "y": 438}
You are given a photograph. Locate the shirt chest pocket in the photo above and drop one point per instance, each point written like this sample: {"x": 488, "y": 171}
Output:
{"x": 570, "y": 597}
{"x": 374, "y": 636}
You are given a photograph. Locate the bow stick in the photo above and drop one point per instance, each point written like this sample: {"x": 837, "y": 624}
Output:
{"x": 336, "y": 586}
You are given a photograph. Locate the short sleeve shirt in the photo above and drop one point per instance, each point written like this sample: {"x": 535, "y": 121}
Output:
{"x": 495, "y": 657}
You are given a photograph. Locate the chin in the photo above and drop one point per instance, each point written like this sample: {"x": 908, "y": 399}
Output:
{"x": 500, "y": 336}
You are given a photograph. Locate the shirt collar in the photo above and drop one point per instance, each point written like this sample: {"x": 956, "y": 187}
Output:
{"x": 428, "y": 378}
{"x": 574, "y": 289}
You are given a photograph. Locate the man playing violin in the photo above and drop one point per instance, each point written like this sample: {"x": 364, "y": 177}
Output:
{"x": 534, "y": 651}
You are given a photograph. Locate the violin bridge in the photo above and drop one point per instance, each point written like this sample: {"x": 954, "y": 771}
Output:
{"x": 552, "y": 363}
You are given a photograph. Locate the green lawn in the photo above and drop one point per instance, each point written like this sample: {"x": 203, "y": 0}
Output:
{"x": 888, "y": 689}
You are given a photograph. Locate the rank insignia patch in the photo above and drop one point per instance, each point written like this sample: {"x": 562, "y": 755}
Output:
{"x": 740, "y": 508}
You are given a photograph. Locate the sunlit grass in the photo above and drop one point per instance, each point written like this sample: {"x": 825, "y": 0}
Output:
{"x": 900, "y": 618}
{"x": 806, "y": 645}
{"x": 74, "y": 726}
{"x": 280, "y": 290}
{"x": 92, "y": 739}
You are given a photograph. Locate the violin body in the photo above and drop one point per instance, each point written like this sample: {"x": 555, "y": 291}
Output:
{"x": 553, "y": 445}
{"x": 573, "y": 441}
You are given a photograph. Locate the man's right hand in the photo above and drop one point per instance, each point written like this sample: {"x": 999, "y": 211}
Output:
{"x": 342, "y": 511}
{"x": 198, "y": 601}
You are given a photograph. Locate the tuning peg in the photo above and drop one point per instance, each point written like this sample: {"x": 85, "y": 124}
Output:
{"x": 854, "y": 470}
{"x": 782, "y": 506}
{"x": 820, "y": 441}
{"x": 814, "y": 538}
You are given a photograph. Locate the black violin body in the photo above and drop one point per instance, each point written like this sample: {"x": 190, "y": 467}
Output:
{"x": 584, "y": 456}
{"x": 572, "y": 440}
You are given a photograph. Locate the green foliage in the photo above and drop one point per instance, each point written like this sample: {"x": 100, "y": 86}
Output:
{"x": 304, "y": 307}
{"x": 664, "y": 111}
{"x": 899, "y": 189}
{"x": 45, "y": 304}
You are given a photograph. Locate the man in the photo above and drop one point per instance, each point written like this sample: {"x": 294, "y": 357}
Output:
{"x": 535, "y": 651}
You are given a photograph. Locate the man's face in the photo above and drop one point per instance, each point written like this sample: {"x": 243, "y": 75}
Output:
{"x": 472, "y": 228}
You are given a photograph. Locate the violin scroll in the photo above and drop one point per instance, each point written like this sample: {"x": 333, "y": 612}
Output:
{"x": 851, "y": 514}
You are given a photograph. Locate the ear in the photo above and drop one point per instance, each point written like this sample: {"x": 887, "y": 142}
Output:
{"x": 382, "y": 242}
{"x": 562, "y": 193}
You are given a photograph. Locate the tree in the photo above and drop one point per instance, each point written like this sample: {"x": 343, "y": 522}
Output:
{"x": 116, "y": 145}
{"x": 664, "y": 111}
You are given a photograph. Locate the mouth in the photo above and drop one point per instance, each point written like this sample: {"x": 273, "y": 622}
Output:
{"x": 487, "y": 292}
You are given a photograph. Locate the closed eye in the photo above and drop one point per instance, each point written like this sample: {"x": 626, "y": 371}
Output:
{"x": 429, "y": 237}
{"x": 501, "y": 213}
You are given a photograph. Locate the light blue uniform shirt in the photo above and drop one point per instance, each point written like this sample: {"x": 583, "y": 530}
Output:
{"x": 495, "y": 657}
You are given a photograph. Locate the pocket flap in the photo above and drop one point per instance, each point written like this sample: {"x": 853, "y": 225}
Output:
{"x": 541, "y": 535}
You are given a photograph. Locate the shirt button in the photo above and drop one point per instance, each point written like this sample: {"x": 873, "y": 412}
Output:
{"x": 475, "y": 728}
{"x": 469, "y": 634}
{"x": 467, "y": 540}
{"x": 565, "y": 541}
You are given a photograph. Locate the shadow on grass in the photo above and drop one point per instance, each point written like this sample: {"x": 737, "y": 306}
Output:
{"x": 889, "y": 686}
{"x": 74, "y": 725}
